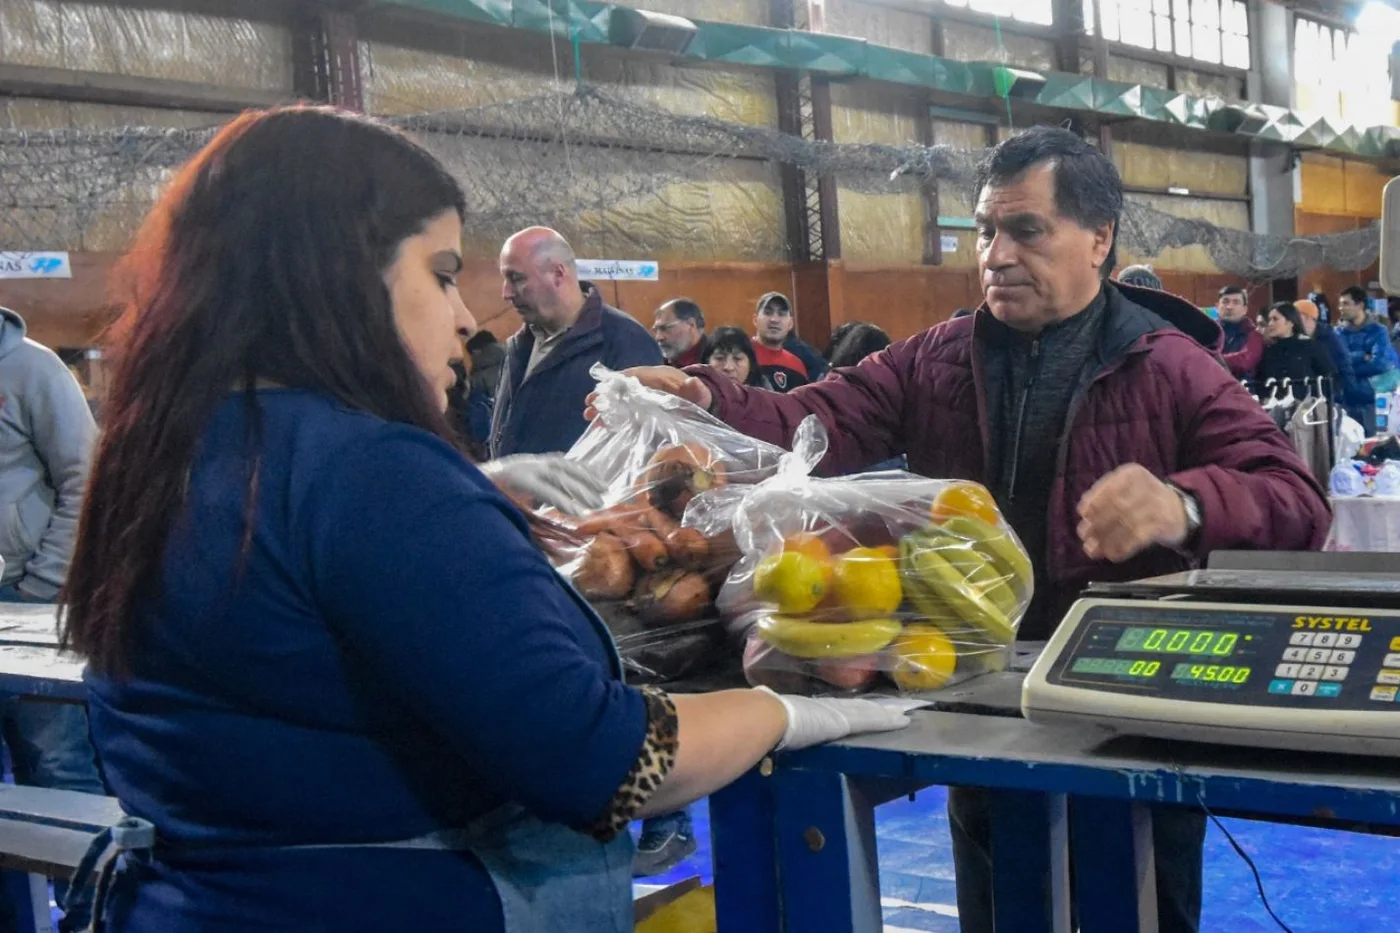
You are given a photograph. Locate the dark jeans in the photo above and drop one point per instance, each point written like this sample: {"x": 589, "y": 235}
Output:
{"x": 1178, "y": 838}
{"x": 50, "y": 747}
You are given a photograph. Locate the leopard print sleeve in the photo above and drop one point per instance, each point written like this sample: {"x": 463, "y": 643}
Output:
{"x": 654, "y": 762}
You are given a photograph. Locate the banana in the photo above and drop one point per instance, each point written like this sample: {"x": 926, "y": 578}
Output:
{"x": 977, "y": 568}
{"x": 969, "y": 600}
{"x": 803, "y": 639}
{"x": 1000, "y": 547}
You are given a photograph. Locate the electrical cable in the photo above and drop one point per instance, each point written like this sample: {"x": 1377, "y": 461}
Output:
{"x": 1239, "y": 850}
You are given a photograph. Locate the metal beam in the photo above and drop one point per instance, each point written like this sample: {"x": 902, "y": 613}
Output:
{"x": 128, "y": 90}
{"x": 326, "y": 58}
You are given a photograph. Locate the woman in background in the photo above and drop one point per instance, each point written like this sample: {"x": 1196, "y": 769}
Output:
{"x": 1291, "y": 357}
{"x": 333, "y": 682}
{"x": 858, "y": 342}
{"x": 731, "y": 352}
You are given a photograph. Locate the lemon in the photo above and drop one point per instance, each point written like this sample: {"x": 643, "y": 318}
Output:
{"x": 867, "y": 583}
{"x": 793, "y": 581}
{"x": 924, "y": 659}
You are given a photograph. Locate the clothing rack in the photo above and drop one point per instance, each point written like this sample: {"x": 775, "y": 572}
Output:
{"x": 1326, "y": 388}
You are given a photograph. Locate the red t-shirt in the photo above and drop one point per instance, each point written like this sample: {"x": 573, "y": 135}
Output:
{"x": 780, "y": 367}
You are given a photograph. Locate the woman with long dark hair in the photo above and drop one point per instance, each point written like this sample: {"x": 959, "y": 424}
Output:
{"x": 331, "y": 679}
{"x": 1292, "y": 360}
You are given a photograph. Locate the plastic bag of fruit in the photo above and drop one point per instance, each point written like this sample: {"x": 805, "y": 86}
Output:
{"x": 880, "y": 581}
{"x": 641, "y": 559}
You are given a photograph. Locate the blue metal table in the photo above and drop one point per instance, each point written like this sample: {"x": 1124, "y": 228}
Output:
{"x": 31, "y": 666}
{"x": 794, "y": 840}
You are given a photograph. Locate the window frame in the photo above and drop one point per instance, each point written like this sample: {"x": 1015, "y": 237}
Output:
{"x": 1179, "y": 28}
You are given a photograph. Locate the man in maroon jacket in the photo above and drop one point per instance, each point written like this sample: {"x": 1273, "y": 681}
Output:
{"x": 1244, "y": 345}
{"x": 1115, "y": 441}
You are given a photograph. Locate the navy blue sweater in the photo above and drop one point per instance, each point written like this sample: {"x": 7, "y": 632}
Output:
{"x": 543, "y": 413}
{"x": 396, "y": 658}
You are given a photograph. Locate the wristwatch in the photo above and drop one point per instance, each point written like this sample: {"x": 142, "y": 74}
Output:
{"x": 1192, "y": 505}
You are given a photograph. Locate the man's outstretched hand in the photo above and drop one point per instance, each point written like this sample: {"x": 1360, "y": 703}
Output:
{"x": 664, "y": 379}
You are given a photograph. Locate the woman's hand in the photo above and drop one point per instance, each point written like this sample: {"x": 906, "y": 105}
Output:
{"x": 813, "y": 721}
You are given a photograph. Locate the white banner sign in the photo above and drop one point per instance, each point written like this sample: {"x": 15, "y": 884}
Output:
{"x": 35, "y": 266}
{"x": 950, "y": 243}
{"x": 644, "y": 270}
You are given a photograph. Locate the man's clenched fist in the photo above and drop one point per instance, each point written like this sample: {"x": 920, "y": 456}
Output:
{"x": 1129, "y": 511}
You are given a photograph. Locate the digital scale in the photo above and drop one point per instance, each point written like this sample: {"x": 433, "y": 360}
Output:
{"x": 1269, "y": 658}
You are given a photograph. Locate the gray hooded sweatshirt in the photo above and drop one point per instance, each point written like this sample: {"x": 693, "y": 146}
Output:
{"x": 46, "y": 441}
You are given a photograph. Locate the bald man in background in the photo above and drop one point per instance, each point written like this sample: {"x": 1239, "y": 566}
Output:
{"x": 568, "y": 328}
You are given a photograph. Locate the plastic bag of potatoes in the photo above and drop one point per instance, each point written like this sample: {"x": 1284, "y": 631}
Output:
{"x": 653, "y": 558}
{"x": 880, "y": 581}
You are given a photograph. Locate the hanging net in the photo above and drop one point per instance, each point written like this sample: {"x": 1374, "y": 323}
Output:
{"x": 555, "y": 156}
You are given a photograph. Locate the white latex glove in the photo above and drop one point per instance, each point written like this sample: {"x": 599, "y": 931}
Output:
{"x": 813, "y": 721}
{"x": 549, "y": 479}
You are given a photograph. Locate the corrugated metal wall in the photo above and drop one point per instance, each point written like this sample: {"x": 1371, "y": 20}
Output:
{"x": 167, "y": 44}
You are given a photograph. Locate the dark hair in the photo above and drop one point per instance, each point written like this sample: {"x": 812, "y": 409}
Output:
{"x": 263, "y": 261}
{"x": 1234, "y": 290}
{"x": 480, "y": 341}
{"x": 837, "y": 334}
{"x": 686, "y": 310}
{"x": 857, "y": 343}
{"x": 1088, "y": 188}
{"x": 729, "y": 339}
{"x": 1140, "y": 277}
{"x": 1357, "y": 294}
{"x": 961, "y": 312}
{"x": 1290, "y": 313}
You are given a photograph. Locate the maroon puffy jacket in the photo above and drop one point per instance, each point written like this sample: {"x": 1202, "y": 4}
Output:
{"x": 1160, "y": 397}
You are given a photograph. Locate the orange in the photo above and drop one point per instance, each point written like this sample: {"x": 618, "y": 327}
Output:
{"x": 924, "y": 659}
{"x": 867, "y": 583}
{"x": 809, "y": 543}
{"x": 966, "y": 499}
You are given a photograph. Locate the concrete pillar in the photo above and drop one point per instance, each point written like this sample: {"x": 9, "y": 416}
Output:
{"x": 1271, "y": 169}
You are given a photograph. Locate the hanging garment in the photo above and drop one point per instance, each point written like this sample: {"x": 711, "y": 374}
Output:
{"x": 1307, "y": 429}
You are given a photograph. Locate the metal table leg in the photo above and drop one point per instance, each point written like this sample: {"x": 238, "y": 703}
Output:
{"x": 745, "y": 856}
{"x": 29, "y": 899}
{"x": 828, "y": 875}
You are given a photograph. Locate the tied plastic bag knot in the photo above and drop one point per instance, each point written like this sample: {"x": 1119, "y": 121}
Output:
{"x": 809, "y": 446}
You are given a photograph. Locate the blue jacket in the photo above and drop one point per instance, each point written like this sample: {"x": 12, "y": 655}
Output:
{"x": 544, "y": 412}
{"x": 817, "y": 367}
{"x": 1332, "y": 342}
{"x": 388, "y": 655}
{"x": 1371, "y": 355}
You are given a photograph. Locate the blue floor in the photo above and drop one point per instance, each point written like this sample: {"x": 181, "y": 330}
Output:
{"x": 1317, "y": 881}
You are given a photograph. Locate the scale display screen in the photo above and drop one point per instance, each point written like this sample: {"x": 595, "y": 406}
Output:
{"x": 1177, "y": 641}
{"x": 1245, "y": 656}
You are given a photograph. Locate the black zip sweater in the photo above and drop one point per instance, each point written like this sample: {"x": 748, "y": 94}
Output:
{"x": 1030, "y": 382}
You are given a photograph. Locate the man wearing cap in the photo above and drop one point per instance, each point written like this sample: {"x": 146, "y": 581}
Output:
{"x": 773, "y": 325}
